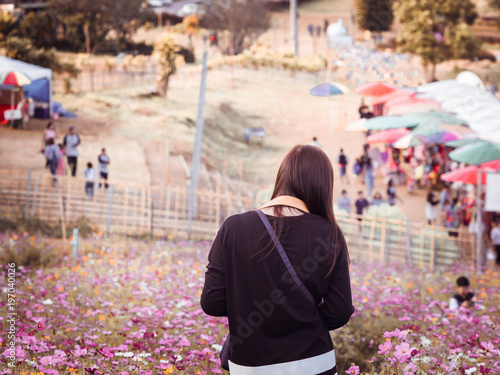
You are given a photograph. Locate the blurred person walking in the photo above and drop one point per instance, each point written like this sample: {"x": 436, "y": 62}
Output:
{"x": 104, "y": 161}
{"x": 344, "y": 202}
{"x": 342, "y": 161}
{"x": 51, "y": 152}
{"x": 315, "y": 143}
{"x": 71, "y": 143}
{"x": 431, "y": 208}
{"x": 279, "y": 322}
{"x": 495, "y": 240}
{"x": 61, "y": 168}
{"x": 48, "y": 133}
{"x": 89, "y": 180}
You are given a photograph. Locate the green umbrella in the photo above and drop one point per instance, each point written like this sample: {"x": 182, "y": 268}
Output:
{"x": 463, "y": 142}
{"x": 427, "y": 119}
{"x": 389, "y": 122}
{"x": 476, "y": 153}
{"x": 435, "y": 118}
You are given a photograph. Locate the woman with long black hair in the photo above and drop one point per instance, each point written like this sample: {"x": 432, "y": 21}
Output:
{"x": 281, "y": 275}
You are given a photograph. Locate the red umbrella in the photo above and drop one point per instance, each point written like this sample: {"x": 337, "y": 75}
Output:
{"x": 409, "y": 100}
{"x": 467, "y": 175}
{"x": 391, "y": 95}
{"x": 14, "y": 78}
{"x": 375, "y": 89}
{"x": 387, "y": 136}
{"x": 494, "y": 164}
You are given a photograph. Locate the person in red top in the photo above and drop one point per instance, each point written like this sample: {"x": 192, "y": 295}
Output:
{"x": 273, "y": 326}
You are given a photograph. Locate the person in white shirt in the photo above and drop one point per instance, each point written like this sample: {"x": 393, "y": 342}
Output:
{"x": 89, "y": 180}
{"x": 71, "y": 143}
{"x": 463, "y": 298}
{"x": 495, "y": 240}
{"x": 104, "y": 161}
{"x": 315, "y": 142}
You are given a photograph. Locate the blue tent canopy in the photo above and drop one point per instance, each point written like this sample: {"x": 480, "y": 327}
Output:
{"x": 40, "y": 88}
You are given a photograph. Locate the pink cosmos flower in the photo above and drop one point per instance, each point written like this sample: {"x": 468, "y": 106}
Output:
{"x": 40, "y": 325}
{"x": 184, "y": 342}
{"x": 403, "y": 351}
{"x": 353, "y": 370}
{"x": 385, "y": 347}
{"x": 106, "y": 352}
{"x": 488, "y": 346}
{"x": 396, "y": 333}
{"x": 79, "y": 352}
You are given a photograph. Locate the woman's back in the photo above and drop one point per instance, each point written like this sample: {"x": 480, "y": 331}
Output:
{"x": 270, "y": 319}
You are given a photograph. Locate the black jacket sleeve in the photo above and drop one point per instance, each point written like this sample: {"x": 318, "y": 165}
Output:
{"x": 338, "y": 308}
{"x": 213, "y": 297}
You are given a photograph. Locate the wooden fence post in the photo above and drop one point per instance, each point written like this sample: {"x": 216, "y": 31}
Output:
{"x": 110, "y": 208}
{"x": 408, "y": 243}
{"x": 28, "y": 193}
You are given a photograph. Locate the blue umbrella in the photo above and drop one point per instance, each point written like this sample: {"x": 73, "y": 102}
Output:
{"x": 328, "y": 89}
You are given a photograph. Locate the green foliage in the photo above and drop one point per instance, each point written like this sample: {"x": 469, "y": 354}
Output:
{"x": 166, "y": 52}
{"x": 22, "y": 49}
{"x": 102, "y": 17}
{"x": 245, "y": 20}
{"x": 28, "y": 251}
{"x": 437, "y": 30}
{"x": 86, "y": 227}
{"x": 39, "y": 28}
{"x": 8, "y": 24}
{"x": 374, "y": 15}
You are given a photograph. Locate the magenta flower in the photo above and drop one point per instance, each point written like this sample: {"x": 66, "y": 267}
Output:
{"x": 353, "y": 370}
{"x": 40, "y": 325}
{"x": 403, "y": 351}
{"x": 385, "y": 347}
{"x": 184, "y": 342}
{"x": 106, "y": 352}
{"x": 396, "y": 333}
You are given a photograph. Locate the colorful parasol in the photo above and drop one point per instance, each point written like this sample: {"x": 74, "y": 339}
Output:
{"x": 467, "y": 175}
{"x": 14, "y": 78}
{"x": 375, "y": 89}
{"x": 476, "y": 153}
{"x": 387, "y": 136}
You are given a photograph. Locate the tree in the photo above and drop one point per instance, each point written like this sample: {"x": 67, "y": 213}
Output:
{"x": 166, "y": 52}
{"x": 437, "y": 30}
{"x": 8, "y": 24}
{"x": 244, "y": 19}
{"x": 374, "y": 15}
{"x": 22, "y": 49}
{"x": 38, "y": 27}
{"x": 121, "y": 17}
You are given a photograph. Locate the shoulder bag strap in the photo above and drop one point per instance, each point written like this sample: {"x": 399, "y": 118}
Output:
{"x": 283, "y": 255}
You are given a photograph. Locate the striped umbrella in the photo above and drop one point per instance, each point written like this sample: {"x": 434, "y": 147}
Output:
{"x": 14, "y": 78}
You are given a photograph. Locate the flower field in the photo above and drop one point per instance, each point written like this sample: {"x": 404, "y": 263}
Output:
{"x": 132, "y": 307}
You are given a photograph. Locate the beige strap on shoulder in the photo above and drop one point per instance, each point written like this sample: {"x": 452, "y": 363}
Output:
{"x": 287, "y": 200}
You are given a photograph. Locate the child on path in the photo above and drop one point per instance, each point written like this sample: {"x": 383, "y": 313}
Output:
{"x": 89, "y": 180}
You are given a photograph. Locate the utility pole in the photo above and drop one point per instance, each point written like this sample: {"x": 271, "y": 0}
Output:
{"x": 293, "y": 27}
{"x": 351, "y": 18}
{"x": 195, "y": 169}
{"x": 89, "y": 54}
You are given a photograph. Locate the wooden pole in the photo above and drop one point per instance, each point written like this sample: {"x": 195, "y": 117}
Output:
{"x": 63, "y": 221}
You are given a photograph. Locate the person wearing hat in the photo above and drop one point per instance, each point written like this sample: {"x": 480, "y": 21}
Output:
{"x": 71, "y": 143}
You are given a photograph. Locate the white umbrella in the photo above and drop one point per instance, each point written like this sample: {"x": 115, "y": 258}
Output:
{"x": 407, "y": 141}
{"x": 357, "y": 126}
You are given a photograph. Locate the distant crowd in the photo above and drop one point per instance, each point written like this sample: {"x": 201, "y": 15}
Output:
{"x": 56, "y": 153}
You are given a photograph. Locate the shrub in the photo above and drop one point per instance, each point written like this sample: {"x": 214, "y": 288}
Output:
{"x": 24, "y": 250}
{"x": 51, "y": 229}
